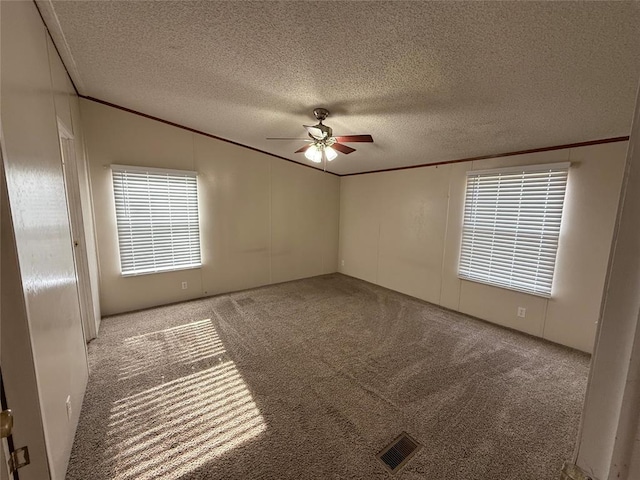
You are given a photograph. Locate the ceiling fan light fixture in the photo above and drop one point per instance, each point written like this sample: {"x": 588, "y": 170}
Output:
{"x": 314, "y": 153}
{"x": 331, "y": 153}
{"x": 323, "y": 146}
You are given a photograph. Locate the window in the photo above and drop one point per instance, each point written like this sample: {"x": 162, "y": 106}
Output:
{"x": 511, "y": 226}
{"x": 157, "y": 219}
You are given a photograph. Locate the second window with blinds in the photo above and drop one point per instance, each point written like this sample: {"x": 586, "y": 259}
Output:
{"x": 511, "y": 227}
{"x": 157, "y": 219}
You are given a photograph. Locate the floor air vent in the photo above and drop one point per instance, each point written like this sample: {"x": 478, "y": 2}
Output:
{"x": 396, "y": 455}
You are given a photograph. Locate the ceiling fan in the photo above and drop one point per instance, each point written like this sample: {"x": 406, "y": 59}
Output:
{"x": 323, "y": 145}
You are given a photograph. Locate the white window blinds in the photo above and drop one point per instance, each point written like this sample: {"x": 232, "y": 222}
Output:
{"x": 511, "y": 226}
{"x": 157, "y": 219}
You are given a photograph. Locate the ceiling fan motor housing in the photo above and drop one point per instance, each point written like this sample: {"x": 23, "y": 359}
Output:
{"x": 320, "y": 113}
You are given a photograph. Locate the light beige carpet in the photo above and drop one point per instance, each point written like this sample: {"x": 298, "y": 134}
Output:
{"x": 310, "y": 379}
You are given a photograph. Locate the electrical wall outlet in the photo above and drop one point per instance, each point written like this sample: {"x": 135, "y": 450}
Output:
{"x": 342, "y": 262}
{"x": 184, "y": 285}
{"x": 69, "y": 410}
{"x": 522, "y": 312}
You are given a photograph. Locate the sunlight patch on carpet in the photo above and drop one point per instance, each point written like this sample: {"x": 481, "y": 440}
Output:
{"x": 173, "y": 428}
{"x": 184, "y": 344}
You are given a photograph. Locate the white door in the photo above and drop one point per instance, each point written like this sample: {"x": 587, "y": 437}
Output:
{"x": 81, "y": 259}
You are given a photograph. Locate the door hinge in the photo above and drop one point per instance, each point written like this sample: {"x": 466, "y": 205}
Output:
{"x": 19, "y": 458}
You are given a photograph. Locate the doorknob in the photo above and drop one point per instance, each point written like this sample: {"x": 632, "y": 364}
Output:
{"x": 6, "y": 423}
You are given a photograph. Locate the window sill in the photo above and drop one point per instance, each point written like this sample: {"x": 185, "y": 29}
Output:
{"x": 505, "y": 287}
{"x": 164, "y": 270}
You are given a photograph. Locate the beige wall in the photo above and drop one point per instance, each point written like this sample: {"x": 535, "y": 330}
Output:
{"x": 43, "y": 311}
{"x": 263, "y": 220}
{"x": 402, "y": 230}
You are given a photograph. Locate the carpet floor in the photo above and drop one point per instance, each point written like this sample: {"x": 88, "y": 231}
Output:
{"x": 311, "y": 379}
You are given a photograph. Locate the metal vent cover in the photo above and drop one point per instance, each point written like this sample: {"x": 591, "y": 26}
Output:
{"x": 396, "y": 455}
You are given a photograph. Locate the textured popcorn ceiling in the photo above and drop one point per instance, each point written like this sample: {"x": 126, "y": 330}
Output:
{"x": 430, "y": 81}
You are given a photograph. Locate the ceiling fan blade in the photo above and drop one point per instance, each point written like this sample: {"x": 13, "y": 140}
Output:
{"x": 342, "y": 148}
{"x": 303, "y": 149}
{"x": 289, "y": 138}
{"x": 315, "y": 132}
{"x": 354, "y": 138}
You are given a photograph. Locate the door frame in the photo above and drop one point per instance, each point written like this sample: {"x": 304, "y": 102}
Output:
{"x": 6, "y": 444}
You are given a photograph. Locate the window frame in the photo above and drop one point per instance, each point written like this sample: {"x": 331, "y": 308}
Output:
{"x": 531, "y": 169}
{"x": 160, "y": 171}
